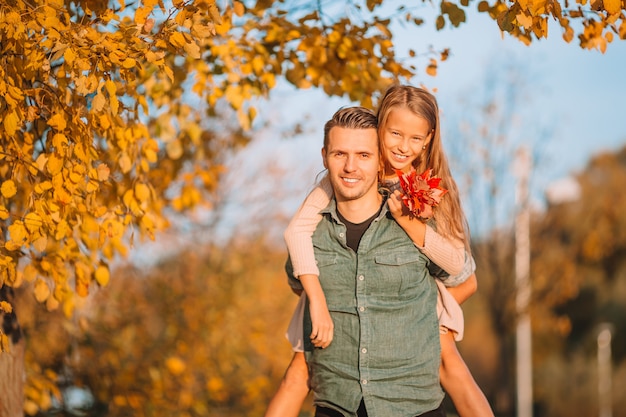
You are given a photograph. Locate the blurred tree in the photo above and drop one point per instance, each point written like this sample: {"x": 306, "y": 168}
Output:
{"x": 200, "y": 334}
{"x": 579, "y": 281}
{"x": 108, "y": 110}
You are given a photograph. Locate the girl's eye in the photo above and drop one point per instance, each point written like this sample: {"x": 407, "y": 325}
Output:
{"x": 417, "y": 138}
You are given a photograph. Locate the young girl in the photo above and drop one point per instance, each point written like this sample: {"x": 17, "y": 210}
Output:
{"x": 409, "y": 134}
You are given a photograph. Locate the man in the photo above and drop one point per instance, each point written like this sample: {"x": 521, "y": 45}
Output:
{"x": 385, "y": 355}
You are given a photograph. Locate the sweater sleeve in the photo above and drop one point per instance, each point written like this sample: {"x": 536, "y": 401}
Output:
{"x": 449, "y": 254}
{"x": 469, "y": 268}
{"x": 299, "y": 232}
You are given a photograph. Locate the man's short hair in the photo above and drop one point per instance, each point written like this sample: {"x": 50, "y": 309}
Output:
{"x": 351, "y": 118}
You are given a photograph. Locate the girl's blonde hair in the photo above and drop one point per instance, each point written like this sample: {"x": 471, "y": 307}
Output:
{"x": 449, "y": 215}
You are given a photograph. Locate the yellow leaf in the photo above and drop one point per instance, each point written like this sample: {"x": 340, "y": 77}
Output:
{"x": 8, "y": 189}
{"x": 258, "y": 64}
{"x": 41, "y": 161}
{"x": 6, "y": 307}
{"x": 192, "y": 49}
{"x": 129, "y": 63}
{"x": 10, "y": 123}
{"x": 203, "y": 31}
{"x": 128, "y": 197}
{"x": 42, "y": 187}
{"x": 524, "y": 20}
{"x": 169, "y": 73}
{"x": 55, "y": 164}
{"x": 5, "y": 346}
{"x": 431, "y": 69}
{"x": 62, "y": 195}
{"x": 215, "y": 13}
{"x": 142, "y": 192}
{"x": 4, "y": 213}
{"x": 41, "y": 243}
{"x": 105, "y": 121}
{"x": 177, "y": 39}
{"x": 175, "y": 365}
{"x": 33, "y": 222}
{"x": 174, "y": 149}
{"x": 52, "y": 304}
{"x": 62, "y": 231}
{"x": 42, "y": 291}
{"x": 103, "y": 172}
{"x": 238, "y": 8}
{"x": 125, "y": 163}
{"x": 612, "y": 6}
{"x": 18, "y": 232}
{"x": 59, "y": 141}
{"x": 98, "y": 102}
{"x": 111, "y": 87}
{"x": 141, "y": 14}
{"x": 30, "y": 273}
{"x": 69, "y": 56}
{"x": 57, "y": 122}
{"x": 102, "y": 275}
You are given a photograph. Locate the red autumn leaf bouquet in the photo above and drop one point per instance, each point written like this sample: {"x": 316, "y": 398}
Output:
{"x": 420, "y": 190}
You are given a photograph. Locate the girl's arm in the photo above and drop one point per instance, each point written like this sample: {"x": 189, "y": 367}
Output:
{"x": 463, "y": 285}
{"x": 449, "y": 254}
{"x": 298, "y": 237}
{"x": 464, "y": 290}
{"x": 321, "y": 322}
{"x": 299, "y": 232}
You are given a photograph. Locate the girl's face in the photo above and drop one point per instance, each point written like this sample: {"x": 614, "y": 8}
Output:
{"x": 404, "y": 136}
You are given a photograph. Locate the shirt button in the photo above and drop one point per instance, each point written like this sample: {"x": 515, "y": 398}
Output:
{"x": 361, "y": 277}
{"x": 341, "y": 234}
{"x": 361, "y": 308}
{"x": 364, "y": 350}
{"x": 364, "y": 382}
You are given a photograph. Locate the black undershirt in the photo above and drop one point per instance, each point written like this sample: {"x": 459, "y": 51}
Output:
{"x": 355, "y": 231}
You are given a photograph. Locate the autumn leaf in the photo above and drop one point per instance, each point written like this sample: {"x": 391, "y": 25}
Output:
{"x": 102, "y": 275}
{"x": 8, "y": 189}
{"x": 11, "y": 123}
{"x": 42, "y": 291}
{"x": 57, "y": 122}
{"x": 420, "y": 190}
{"x": 175, "y": 365}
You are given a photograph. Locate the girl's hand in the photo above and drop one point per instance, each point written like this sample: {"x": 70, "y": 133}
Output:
{"x": 323, "y": 325}
{"x": 398, "y": 209}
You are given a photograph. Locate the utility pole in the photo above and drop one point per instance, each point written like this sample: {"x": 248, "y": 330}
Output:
{"x": 604, "y": 371}
{"x": 524, "y": 375}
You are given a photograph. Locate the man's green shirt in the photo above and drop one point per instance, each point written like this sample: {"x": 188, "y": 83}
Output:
{"x": 382, "y": 300}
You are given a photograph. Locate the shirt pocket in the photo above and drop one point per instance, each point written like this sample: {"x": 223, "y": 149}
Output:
{"x": 325, "y": 259}
{"x": 400, "y": 273}
{"x": 338, "y": 285}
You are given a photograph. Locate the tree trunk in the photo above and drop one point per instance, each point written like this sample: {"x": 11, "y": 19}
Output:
{"x": 11, "y": 364}
{"x": 12, "y": 381}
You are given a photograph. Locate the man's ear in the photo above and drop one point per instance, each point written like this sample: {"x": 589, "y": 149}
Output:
{"x": 324, "y": 158}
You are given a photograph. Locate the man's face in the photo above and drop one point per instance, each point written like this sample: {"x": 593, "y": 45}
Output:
{"x": 351, "y": 158}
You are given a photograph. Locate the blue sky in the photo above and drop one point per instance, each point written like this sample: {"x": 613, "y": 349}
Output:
{"x": 576, "y": 95}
